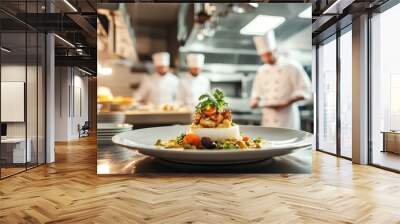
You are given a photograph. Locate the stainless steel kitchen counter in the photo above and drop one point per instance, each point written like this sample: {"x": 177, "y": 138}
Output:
{"x": 157, "y": 117}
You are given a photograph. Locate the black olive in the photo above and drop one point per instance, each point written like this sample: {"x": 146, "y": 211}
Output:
{"x": 208, "y": 143}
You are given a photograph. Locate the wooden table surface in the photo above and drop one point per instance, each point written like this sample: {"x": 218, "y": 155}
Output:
{"x": 70, "y": 191}
{"x": 113, "y": 159}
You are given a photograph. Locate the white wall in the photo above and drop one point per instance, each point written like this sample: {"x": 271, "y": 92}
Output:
{"x": 80, "y": 108}
{"x": 69, "y": 85}
{"x": 15, "y": 73}
{"x": 61, "y": 104}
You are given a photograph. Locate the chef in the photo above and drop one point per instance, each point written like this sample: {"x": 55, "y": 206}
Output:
{"x": 162, "y": 86}
{"x": 193, "y": 84}
{"x": 278, "y": 85}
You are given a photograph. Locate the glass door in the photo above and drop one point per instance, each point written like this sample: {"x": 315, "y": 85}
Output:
{"x": 385, "y": 89}
{"x": 327, "y": 96}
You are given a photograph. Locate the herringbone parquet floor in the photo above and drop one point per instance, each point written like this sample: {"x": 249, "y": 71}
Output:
{"x": 69, "y": 191}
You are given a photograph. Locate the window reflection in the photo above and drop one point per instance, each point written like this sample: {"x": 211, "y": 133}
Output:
{"x": 385, "y": 84}
{"x": 346, "y": 94}
{"x": 327, "y": 97}
{"x": 22, "y": 89}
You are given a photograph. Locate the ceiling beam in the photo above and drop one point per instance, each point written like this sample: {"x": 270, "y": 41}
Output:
{"x": 81, "y": 61}
{"x": 83, "y": 23}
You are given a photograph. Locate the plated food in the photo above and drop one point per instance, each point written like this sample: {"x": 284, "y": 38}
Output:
{"x": 281, "y": 142}
{"x": 212, "y": 128}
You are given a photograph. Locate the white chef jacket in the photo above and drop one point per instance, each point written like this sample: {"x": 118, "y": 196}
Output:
{"x": 191, "y": 88}
{"x": 156, "y": 89}
{"x": 277, "y": 84}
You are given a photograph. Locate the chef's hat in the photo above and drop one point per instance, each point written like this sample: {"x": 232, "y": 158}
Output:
{"x": 161, "y": 59}
{"x": 265, "y": 43}
{"x": 195, "y": 60}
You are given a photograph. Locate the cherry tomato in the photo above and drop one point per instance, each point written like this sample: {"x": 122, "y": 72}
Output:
{"x": 192, "y": 139}
{"x": 246, "y": 138}
{"x": 210, "y": 111}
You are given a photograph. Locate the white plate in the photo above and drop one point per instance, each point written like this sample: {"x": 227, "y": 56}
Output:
{"x": 110, "y": 134}
{"x": 111, "y": 126}
{"x": 280, "y": 142}
{"x": 113, "y": 131}
{"x": 104, "y": 138}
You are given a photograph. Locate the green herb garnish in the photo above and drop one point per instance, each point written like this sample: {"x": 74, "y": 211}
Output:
{"x": 180, "y": 138}
{"x": 158, "y": 142}
{"x": 216, "y": 100}
{"x": 257, "y": 140}
{"x": 228, "y": 145}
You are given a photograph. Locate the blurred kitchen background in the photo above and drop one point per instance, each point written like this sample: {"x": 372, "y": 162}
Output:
{"x": 128, "y": 35}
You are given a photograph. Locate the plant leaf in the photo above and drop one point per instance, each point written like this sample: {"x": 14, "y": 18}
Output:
{"x": 204, "y": 96}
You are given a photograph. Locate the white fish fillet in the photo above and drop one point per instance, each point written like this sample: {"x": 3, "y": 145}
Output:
{"x": 217, "y": 133}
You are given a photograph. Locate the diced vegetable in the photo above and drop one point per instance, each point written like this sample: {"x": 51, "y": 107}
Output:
{"x": 210, "y": 111}
{"x": 207, "y": 143}
{"x": 242, "y": 145}
{"x": 246, "y": 138}
{"x": 229, "y": 145}
{"x": 192, "y": 139}
{"x": 257, "y": 140}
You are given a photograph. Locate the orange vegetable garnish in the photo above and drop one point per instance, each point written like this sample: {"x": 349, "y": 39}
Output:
{"x": 246, "y": 138}
{"x": 210, "y": 111}
{"x": 192, "y": 139}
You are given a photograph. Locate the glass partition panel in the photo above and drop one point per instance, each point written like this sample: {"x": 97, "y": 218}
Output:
{"x": 22, "y": 77}
{"x": 32, "y": 98}
{"x": 346, "y": 94}
{"x": 41, "y": 99}
{"x": 15, "y": 151}
{"x": 327, "y": 96}
{"x": 385, "y": 89}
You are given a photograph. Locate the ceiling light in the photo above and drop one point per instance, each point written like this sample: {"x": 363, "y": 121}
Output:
{"x": 255, "y": 5}
{"x": 334, "y": 8}
{"x": 104, "y": 71}
{"x": 262, "y": 24}
{"x": 84, "y": 71}
{"x": 70, "y": 5}
{"x": 5, "y": 50}
{"x": 79, "y": 51}
{"x": 238, "y": 9}
{"x": 306, "y": 14}
{"x": 64, "y": 40}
